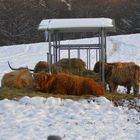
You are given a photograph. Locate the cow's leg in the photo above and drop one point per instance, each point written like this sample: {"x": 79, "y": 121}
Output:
{"x": 128, "y": 89}
{"x": 136, "y": 89}
{"x": 112, "y": 87}
{"x": 59, "y": 90}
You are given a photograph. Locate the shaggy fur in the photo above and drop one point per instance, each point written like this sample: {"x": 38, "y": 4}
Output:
{"x": 121, "y": 73}
{"x": 67, "y": 84}
{"x": 17, "y": 79}
{"x": 128, "y": 76}
{"x": 74, "y": 65}
{"x": 41, "y": 66}
{"x": 109, "y": 65}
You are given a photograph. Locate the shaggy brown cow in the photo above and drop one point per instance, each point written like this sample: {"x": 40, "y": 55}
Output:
{"x": 17, "y": 79}
{"x": 127, "y": 75}
{"x": 121, "y": 73}
{"x": 117, "y": 64}
{"x": 41, "y": 66}
{"x": 67, "y": 84}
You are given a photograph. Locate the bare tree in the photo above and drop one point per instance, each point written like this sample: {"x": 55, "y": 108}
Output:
{"x": 19, "y": 19}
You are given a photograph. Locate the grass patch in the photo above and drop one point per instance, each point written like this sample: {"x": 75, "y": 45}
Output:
{"x": 118, "y": 96}
{"x": 18, "y": 93}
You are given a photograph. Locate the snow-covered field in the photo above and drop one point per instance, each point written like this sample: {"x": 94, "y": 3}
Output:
{"x": 36, "y": 118}
{"x": 95, "y": 119}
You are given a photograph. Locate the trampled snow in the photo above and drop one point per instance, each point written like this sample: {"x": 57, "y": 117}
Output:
{"x": 94, "y": 119}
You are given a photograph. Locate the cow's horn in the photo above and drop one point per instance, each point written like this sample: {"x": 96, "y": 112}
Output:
{"x": 11, "y": 66}
{"x": 18, "y": 68}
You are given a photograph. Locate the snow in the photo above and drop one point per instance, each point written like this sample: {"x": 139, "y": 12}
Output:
{"x": 36, "y": 118}
{"x": 74, "y": 23}
{"x": 94, "y": 119}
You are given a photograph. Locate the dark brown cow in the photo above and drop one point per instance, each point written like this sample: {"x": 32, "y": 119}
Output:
{"x": 67, "y": 84}
{"x": 41, "y": 66}
{"x": 73, "y": 65}
{"x": 121, "y": 73}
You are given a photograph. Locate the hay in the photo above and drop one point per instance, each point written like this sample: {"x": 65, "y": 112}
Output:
{"x": 92, "y": 75}
{"x": 73, "y": 65}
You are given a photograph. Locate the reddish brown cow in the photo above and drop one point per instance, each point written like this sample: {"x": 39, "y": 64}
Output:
{"x": 67, "y": 84}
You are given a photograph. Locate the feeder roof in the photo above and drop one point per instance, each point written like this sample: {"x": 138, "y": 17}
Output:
{"x": 77, "y": 25}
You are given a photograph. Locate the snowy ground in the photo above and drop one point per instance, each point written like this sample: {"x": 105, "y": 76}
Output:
{"x": 96, "y": 119}
{"x": 36, "y": 118}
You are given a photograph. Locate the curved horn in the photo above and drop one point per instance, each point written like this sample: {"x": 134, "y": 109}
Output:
{"x": 12, "y": 67}
{"x": 18, "y": 68}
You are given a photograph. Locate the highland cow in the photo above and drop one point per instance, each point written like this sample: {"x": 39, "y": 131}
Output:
{"x": 41, "y": 66}
{"x": 73, "y": 65}
{"x": 121, "y": 73}
{"x": 117, "y": 64}
{"x": 17, "y": 79}
{"x": 67, "y": 84}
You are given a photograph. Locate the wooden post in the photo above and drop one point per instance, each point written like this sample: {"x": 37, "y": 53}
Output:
{"x": 49, "y": 61}
{"x": 105, "y": 47}
{"x": 89, "y": 58}
{"x": 78, "y": 52}
{"x": 56, "y": 51}
{"x": 46, "y": 36}
{"x": 69, "y": 58}
{"x": 59, "y": 46}
{"x": 100, "y": 46}
{"x": 103, "y": 55}
{"x": 54, "y": 47}
{"x": 47, "y": 57}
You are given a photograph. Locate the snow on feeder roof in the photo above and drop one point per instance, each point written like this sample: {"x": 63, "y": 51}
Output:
{"x": 77, "y": 24}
